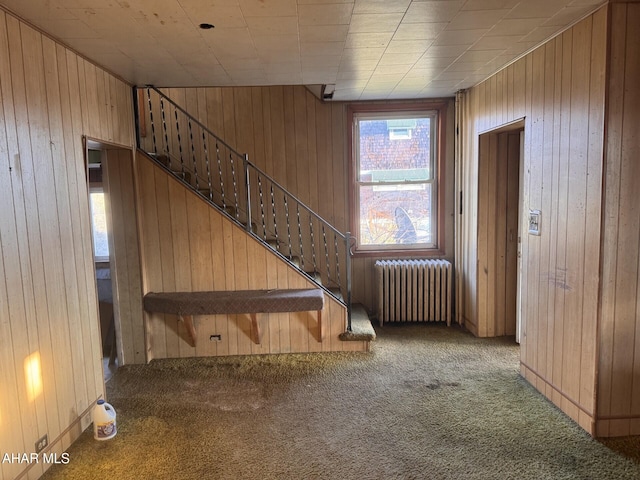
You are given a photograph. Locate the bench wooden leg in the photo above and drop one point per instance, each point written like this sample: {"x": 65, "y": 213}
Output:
{"x": 188, "y": 323}
{"x": 256, "y": 333}
{"x": 320, "y": 329}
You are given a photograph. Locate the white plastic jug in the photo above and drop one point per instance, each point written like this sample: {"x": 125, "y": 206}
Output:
{"x": 104, "y": 421}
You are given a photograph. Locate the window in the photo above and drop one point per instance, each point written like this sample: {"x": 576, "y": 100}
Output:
{"x": 99, "y": 225}
{"x": 395, "y": 179}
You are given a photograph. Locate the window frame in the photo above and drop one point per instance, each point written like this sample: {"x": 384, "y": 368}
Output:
{"x": 389, "y": 110}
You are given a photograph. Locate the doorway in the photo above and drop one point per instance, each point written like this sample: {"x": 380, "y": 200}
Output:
{"x": 499, "y": 193}
{"x": 116, "y": 250}
{"x": 100, "y": 234}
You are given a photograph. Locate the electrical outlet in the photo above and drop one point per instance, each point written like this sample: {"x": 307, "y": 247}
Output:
{"x": 42, "y": 443}
{"x": 215, "y": 338}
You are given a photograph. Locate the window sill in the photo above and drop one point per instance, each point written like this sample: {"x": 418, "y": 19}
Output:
{"x": 400, "y": 253}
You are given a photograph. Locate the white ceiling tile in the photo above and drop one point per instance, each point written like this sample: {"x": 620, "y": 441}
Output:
{"x": 374, "y": 23}
{"x": 452, "y": 75}
{"x": 221, "y": 16}
{"x": 406, "y": 43}
{"x": 323, "y": 2}
{"x": 515, "y": 26}
{"x": 433, "y": 11}
{"x": 323, "y": 33}
{"x": 469, "y": 20}
{"x": 400, "y": 58}
{"x": 321, "y": 76}
{"x": 272, "y": 8}
{"x": 270, "y": 45}
{"x": 261, "y": 26}
{"x": 482, "y": 56}
{"x": 408, "y": 46}
{"x": 358, "y": 64}
{"x": 567, "y": 15}
{"x": 351, "y": 76}
{"x": 352, "y": 82}
{"x": 420, "y": 73}
{"x": 345, "y": 94}
{"x": 368, "y": 40}
{"x": 381, "y": 6}
{"x": 582, "y": 3}
{"x": 391, "y": 69}
{"x": 362, "y": 53}
{"x": 414, "y": 82}
{"x": 537, "y": 9}
{"x": 540, "y": 34}
{"x": 468, "y": 67}
{"x": 459, "y": 37}
{"x": 66, "y": 29}
{"x": 322, "y": 48}
{"x": 489, "y": 4}
{"x": 419, "y": 31}
{"x": 445, "y": 51}
{"x": 321, "y": 61}
{"x": 330, "y": 14}
{"x": 495, "y": 42}
{"x": 284, "y": 78}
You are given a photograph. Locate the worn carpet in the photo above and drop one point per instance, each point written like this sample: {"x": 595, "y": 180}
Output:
{"x": 429, "y": 402}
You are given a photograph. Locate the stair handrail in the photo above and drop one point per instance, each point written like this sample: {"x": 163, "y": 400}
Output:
{"x": 346, "y": 237}
{"x": 248, "y": 162}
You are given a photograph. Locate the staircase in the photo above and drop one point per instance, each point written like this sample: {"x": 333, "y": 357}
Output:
{"x": 229, "y": 182}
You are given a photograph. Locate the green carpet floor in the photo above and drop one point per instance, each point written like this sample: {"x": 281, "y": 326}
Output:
{"x": 429, "y": 402}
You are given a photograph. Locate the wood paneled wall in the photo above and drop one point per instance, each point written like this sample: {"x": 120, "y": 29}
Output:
{"x": 189, "y": 246}
{"x": 302, "y": 143}
{"x": 50, "y": 98}
{"x": 559, "y": 89}
{"x": 618, "y": 401}
{"x": 124, "y": 254}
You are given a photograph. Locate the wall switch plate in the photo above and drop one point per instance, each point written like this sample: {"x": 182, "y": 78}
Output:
{"x": 534, "y": 222}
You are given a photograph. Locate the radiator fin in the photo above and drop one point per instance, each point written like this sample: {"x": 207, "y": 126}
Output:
{"x": 414, "y": 290}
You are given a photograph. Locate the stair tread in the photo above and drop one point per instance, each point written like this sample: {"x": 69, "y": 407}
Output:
{"x": 361, "y": 327}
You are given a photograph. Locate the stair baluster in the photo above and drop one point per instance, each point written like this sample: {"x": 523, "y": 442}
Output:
{"x": 153, "y": 126}
{"x": 206, "y": 161}
{"x": 264, "y": 225}
{"x": 300, "y": 237}
{"x": 239, "y": 208}
{"x": 165, "y": 134}
{"x": 224, "y": 200}
{"x": 182, "y": 169}
{"x": 193, "y": 156}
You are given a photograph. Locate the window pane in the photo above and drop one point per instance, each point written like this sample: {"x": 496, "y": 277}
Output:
{"x": 99, "y": 224}
{"x": 394, "y": 150}
{"x": 396, "y": 215}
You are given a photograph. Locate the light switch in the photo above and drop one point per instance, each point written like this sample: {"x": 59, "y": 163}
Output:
{"x": 534, "y": 222}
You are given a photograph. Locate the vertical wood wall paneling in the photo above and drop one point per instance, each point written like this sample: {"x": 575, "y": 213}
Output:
{"x": 618, "y": 393}
{"x": 559, "y": 88}
{"x": 40, "y": 220}
{"x": 593, "y": 203}
{"x": 208, "y": 252}
{"x": 48, "y": 287}
{"x": 13, "y": 342}
{"x": 497, "y": 233}
{"x": 126, "y": 255}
